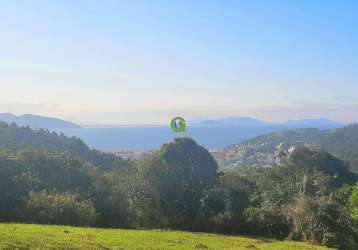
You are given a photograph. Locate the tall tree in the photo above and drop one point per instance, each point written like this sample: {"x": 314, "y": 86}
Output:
{"x": 188, "y": 170}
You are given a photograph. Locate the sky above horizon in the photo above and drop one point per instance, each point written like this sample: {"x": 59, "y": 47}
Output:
{"x": 107, "y": 62}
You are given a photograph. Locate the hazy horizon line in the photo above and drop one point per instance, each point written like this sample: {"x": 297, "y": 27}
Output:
{"x": 190, "y": 120}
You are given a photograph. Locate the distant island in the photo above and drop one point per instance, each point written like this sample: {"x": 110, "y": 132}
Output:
{"x": 253, "y": 122}
{"x": 229, "y": 122}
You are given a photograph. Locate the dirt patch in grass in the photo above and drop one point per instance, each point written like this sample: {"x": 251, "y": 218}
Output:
{"x": 201, "y": 246}
{"x": 252, "y": 247}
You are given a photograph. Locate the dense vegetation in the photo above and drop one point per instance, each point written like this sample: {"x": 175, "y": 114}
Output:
{"x": 50, "y": 179}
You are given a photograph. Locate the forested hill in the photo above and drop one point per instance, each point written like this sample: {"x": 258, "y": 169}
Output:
{"x": 342, "y": 143}
{"x": 15, "y": 137}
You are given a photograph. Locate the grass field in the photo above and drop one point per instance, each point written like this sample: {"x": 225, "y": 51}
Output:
{"x": 19, "y": 236}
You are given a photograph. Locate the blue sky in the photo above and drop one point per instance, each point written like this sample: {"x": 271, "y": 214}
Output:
{"x": 147, "y": 61}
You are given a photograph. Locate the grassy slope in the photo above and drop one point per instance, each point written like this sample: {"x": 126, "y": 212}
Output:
{"x": 18, "y": 236}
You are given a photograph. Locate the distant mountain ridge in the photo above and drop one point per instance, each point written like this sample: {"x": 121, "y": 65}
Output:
{"x": 260, "y": 151}
{"x": 253, "y": 122}
{"x": 230, "y": 121}
{"x": 36, "y": 121}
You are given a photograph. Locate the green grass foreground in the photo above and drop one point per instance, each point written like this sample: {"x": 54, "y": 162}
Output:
{"x": 21, "y": 236}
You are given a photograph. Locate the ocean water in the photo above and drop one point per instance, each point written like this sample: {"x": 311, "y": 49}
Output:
{"x": 151, "y": 137}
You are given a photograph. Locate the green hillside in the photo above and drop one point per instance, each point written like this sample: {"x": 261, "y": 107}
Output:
{"x": 16, "y": 137}
{"x": 19, "y": 236}
{"x": 342, "y": 143}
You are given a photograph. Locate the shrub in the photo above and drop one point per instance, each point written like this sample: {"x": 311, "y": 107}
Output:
{"x": 59, "y": 208}
{"x": 353, "y": 202}
{"x": 267, "y": 221}
{"x": 322, "y": 220}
